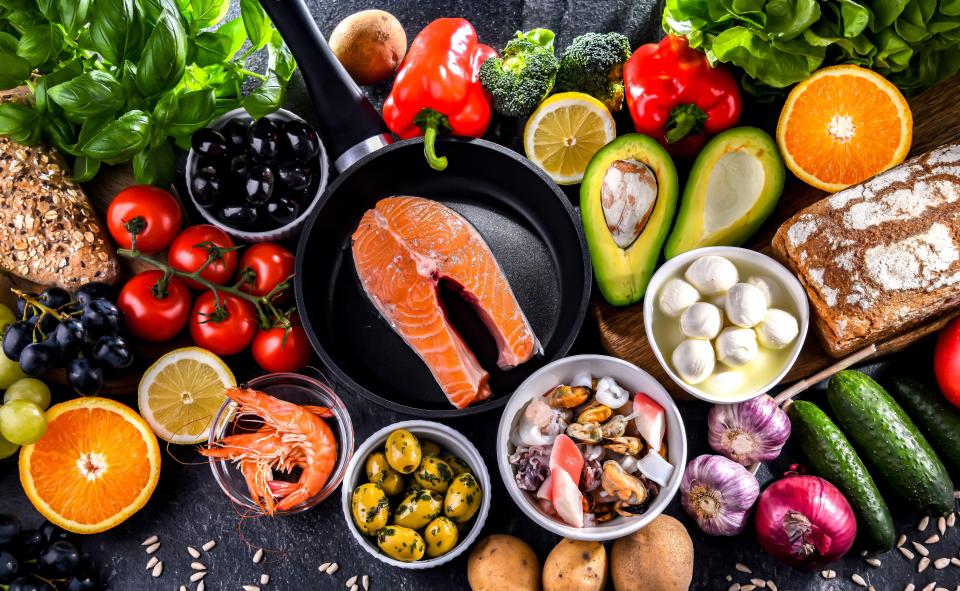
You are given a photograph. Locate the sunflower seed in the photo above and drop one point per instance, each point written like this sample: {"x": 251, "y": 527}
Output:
{"x": 863, "y": 553}
{"x": 351, "y": 581}
{"x": 157, "y": 570}
{"x": 924, "y": 563}
{"x": 323, "y": 567}
{"x": 906, "y": 553}
{"x": 930, "y": 586}
{"x": 198, "y": 566}
{"x": 951, "y": 520}
{"x": 333, "y": 568}
{"x": 901, "y": 540}
{"x": 941, "y": 563}
{"x": 251, "y": 588}
{"x": 201, "y": 585}
{"x": 759, "y": 583}
{"x": 728, "y": 578}
{"x": 923, "y": 524}
{"x": 149, "y": 541}
{"x": 354, "y": 588}
{"x": 942, "y": 525}
{"x": 909, "y": 587}
{"x": 941, "y": 589}
{"x": 955, "y": 561}
{"x": 366, "y": 583}
{"x": 858, "y": 580}
{"x": 828, "y": 574}
{"x": 153, "y": 547}
{"x": 742, "y": 568}
{"x": 874, "y": 562}
{"x": 264, "y": 579}
{"x": 747, "y": 588}
{"x": 153, "y": 561}
{"x": 197, "y": 576}
{"x": 209, "y": 546}
{"x": 193, "y": 552}
{"x": 932, "y": 539}
{"x": 920, "y": 548}
{"x": 183, "y": 588}
{"x": 258, "y": 556}
{"x": 734, "y": 587}
{"x": 772, "y": 586}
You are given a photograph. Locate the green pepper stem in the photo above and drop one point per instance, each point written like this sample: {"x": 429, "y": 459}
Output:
{"x": 432, "y": 122}
{"x": 684, "y": 120}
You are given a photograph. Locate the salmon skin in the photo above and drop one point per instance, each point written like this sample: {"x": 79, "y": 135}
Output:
{"x": 402, "y": 249}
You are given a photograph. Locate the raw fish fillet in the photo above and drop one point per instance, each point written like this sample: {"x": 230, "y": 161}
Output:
{"x": 402, "y": 249}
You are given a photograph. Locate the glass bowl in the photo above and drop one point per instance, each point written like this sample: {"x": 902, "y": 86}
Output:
{"x": 299, "y": 389}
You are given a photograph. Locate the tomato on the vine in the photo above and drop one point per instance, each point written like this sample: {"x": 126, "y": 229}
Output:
{"x": 186, "y": 255}
{"x": 226, "y": 331}
{"x": 160, "y": 211}
{"x": 270, "y": 264}
{"x": 152, "y": 318}
{"x": 281, "y": 350}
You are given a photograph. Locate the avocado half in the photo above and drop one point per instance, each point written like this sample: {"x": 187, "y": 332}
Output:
{"x": 734, "y": 185}
{"x": 625, "y": 234}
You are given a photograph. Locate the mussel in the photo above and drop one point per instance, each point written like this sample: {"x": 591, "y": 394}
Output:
{"x": 629, "y": 446}
{"x": 585, "y": 432}
{"x": 564, "y": 396}
{"x": 616, "y": 426}
{"x": 594, "y": 413}
{"x": 622, "y": 486}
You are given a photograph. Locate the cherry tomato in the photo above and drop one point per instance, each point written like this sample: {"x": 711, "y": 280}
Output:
{"x": 159, "y": 209}
{"x": 274, "y": 354}
{"x": 186, "y": 256}
{"x": 946, "y": 361}
{"x": 271, "y": 263}
{"x": 151, "y": 318}
{"x": 224, "y": 336}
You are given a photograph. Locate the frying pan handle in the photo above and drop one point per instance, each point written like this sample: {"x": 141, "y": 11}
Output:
{"x": 349, "y": 124}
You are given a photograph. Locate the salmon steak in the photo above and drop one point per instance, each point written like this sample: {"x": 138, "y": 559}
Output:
{"x": 402, "y": 249}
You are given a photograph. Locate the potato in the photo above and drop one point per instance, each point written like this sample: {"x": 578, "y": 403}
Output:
{"x": 503, "y": 563}
{"x": 659, "y": 557}
{"x": 575, "y": 566}
{"x": 370, "y": 44}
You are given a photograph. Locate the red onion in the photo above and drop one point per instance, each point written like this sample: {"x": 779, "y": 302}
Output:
{"x": 718, "y": 494}
{"x": 805, "y": 521}
{"x": 748, "y": 432}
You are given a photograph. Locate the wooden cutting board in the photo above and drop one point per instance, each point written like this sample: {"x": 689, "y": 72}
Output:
{"x": 936, "y": 121}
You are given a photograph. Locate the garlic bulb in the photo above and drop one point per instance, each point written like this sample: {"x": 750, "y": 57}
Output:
{"x": 693, "y": 360}
{"x": 718, "y": 494}
{"x": 778, "y": 329}
{"x": 736, "y": 347}
{"x": 675, "y": 296}
{"x": 711, "y": 274}
{"x": 700, "y": 321}
{"x": 748, "y": 432}
{"x": 746, "y": 305}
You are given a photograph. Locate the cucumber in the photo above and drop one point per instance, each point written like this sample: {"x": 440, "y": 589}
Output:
{"x": 832, "y": 457}
{"x": 938, "y": 420}
{"x": 890, "y": 443}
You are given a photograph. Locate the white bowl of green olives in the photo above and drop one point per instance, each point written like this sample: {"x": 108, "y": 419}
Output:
{"x": 416, "y": 494}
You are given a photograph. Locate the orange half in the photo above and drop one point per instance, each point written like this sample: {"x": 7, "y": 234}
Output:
{"x": 97, "y": 464}
{"x": 843, "y": 125}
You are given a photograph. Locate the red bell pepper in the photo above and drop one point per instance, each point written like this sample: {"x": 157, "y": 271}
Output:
{"x": 677, "y": 97}
{"x": 437, "y": 88}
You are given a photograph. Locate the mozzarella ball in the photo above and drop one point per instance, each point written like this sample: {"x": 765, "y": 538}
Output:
{"x": 746, "y": 305}
{"x": 778, "y": 329}
{"x": 693, "y": 360}
{"x": 676, "y": 296}
{"x": 766, "y": 286}
{"x": 700, "y": 321}
{"x": 711, "y": 275}
{"x": 736, "y": 347}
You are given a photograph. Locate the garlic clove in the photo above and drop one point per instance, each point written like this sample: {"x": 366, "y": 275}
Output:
{"x": 711, "y": 275}
{"x": 693, "y": 360}
{"x": 701, "y": 321}
{"x": 777, "y": 329}
{"x": 676, "y": 296}
{"x": 746, "y": 305}
{"x": 736, "y": 347}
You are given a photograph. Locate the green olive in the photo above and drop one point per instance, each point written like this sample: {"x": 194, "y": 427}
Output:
{"x": 400, "y": 543}
{"x": 441, "y": 536}
{"x": 412, "y": 487}
{"x": 403, "y": 451}
{"x": 463, "y": 498}
{"x": 434, "y": 474}
{"x": 380, "y": 472}
{"x": 429, "y": 449}
{"x": 370, "y": 508}
{"x": 418, "y": 509}
{"x": 456, "y": 464}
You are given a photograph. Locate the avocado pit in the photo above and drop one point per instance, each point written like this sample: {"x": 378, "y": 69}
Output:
{"x": 628, "y": 195}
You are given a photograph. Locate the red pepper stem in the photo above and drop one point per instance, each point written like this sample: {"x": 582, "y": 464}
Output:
{"x": 432, "y": 122}
{"x": 684, "y": 120}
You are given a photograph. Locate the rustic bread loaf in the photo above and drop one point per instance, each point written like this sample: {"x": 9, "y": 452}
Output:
{"x": 880, "y": 258}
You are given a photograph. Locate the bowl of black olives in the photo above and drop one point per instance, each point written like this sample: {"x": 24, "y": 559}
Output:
{"x": 259, "y": 179}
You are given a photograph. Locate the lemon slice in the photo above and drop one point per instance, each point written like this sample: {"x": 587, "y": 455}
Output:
{"x": 181, "y": 393}
{"x": 565, "y": 132}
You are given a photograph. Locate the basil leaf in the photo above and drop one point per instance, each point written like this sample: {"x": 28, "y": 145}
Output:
{"x": 85, "y": 168}
{"x": 119, "y": 140}
{"x": 8, "y": 43}
{"x": 91, "y": 94}
{"x": 116, "y": 30}
{"x": 266, "y": 98}
{"x": 73, "y": 14}
{"x": 206, "y": 13}
{"x": 14, "y": 70}
{"x": 193, "y": 111}
{"x": 280, "y": 58}
{"x": 88, "y": 129}
{"x": 155, "y": 165}
{"x": 255, "y": 22}
{"x": 164, "y": 56}
{"x": 39, "y": 44}
{"x": 213, "y": 47}
{"x": 58, "y": 132}
{"x": 49, "y": 10}
{"x": 19, "y": 122}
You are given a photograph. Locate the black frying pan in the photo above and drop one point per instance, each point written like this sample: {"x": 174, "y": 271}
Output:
{"x": 526, "y": 220}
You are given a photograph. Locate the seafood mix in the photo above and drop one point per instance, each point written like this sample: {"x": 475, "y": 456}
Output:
{"x": 590, "y": 451}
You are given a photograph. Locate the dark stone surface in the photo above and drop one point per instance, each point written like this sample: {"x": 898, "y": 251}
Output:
{"x": 189, "y": 509}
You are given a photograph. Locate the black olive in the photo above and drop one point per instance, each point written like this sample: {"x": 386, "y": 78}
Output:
{"x": 235, "y": 132}
{"x": 299, "y": 141}
{"x": 238, "y": 215}
{"x": 293, "y": 177}
{"x": 210, "y": 143}
{"x": 207, "y": 168}
{"x": 239, "y": 166}
{"x": 262, "y": 140}
{"x": 283, "y": 210}
{"x": 259, "y": 185}
{"x": 205, "y": 189}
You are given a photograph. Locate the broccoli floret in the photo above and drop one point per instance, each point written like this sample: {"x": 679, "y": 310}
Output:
{"x": 593, "y": 64}
{"x": 523, "y": 75}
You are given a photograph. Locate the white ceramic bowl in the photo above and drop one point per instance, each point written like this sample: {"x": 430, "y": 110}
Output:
{"x": 633, "y": 379}
{"x": 785, "y": 280}
{"x": 449, "y": 440}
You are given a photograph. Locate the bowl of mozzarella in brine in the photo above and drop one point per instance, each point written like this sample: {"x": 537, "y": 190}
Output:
{"x": 726, "y": 323}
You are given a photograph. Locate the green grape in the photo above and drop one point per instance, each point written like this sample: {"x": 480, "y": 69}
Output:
{"x": 22, "y": 422}
{"x": 10, "y": 371}
{"x": 29, "y": 389}
{"x": 7, "y": 449}
{"x": 7, "y": 317}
